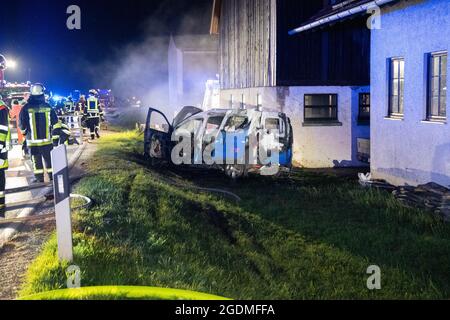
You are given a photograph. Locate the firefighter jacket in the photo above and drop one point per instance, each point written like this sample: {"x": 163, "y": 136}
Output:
{"x": 36, "y": 121}
{"x": 5, "y": 135}
{"x": 70, "y": 107}
{"x": 92, "y": 108}
{"x": 61, "y": 133}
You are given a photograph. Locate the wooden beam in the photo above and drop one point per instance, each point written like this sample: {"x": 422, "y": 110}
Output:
{"x": 215, "y": 18}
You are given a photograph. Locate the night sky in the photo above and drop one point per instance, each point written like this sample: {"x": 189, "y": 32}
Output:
{"x": 34, "y": 33}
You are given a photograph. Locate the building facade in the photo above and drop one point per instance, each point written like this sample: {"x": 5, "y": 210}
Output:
{"x": 193, "y": 60}
{"x": 410, "y": 136}
{"x": 319, "y": 79}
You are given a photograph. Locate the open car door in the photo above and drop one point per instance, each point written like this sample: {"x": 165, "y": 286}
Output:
{"x": 157, "y": 141}
{"x": 281, "y": 124}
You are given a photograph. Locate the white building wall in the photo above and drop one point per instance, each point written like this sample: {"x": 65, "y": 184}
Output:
{"x": 411, "y": 150}
{"x": 189, "y": 69}
{"x": 318, "y": 146}
{"x": 175, "y": 63}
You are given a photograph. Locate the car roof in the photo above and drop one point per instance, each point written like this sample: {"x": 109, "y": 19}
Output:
{"x": 224, "y": 112}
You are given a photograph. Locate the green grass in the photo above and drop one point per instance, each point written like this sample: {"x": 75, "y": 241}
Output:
{"x": 121, "y": 293}
{"x": 307, "y": 236}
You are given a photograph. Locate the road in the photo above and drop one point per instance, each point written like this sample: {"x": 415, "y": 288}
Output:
{"x": 20, "y": 174}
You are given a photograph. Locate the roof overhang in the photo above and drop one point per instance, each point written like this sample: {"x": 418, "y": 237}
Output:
{"x": 215, "y": 17}
{"x": 338, "y": 13}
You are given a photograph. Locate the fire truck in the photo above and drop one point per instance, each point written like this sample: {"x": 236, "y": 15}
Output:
{"x": 14, "y": 91}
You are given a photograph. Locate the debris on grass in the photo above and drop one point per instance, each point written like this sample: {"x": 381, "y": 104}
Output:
{"x": 430, "y": 197}
{"x": 366, "y": 181}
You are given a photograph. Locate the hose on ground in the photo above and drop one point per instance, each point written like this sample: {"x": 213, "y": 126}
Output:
{"x": 213, "y": 190}
{"x": 88, "y": 203}
{"x": 87, "y": 200}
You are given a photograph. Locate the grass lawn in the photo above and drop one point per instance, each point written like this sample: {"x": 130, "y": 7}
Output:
{"x": 307, "y": 236}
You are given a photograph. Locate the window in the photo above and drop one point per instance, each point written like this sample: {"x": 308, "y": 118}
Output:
{"x": 213, "y": 124}
{"x": 321, "y": 108}
{"x": 275, "y": 125}
{"x": 159, "y": 123}
{"x": 364, "y": 108}
{"x": 437, "y": 86}
{"x": 236, "y": 123}
{"x": 272, "y": 124}
{"x": 396, "y": 87}
{"x": 191, "y": 126}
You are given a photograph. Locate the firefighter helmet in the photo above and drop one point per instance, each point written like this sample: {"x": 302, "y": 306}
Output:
{"x": 93, "y": 92}
{"x": 37, "y": 89}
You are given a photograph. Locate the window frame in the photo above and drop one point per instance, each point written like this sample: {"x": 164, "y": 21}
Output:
{"x": 188, "y": 121}
{"x": 363, "y": 119}
{"x": 430, "y": 80}
{"x": 211, "y": 131}
{"x": 321, "y": 120}
{"x": 401, "y": 94}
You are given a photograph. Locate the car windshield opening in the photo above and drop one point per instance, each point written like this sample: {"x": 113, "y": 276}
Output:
{"x": 214, "y": 124}
{"x": 236, "y": 123}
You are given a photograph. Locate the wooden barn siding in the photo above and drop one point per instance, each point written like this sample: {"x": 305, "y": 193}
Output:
{"x": 335, "y": 55}
{"x": 247, "y": 45}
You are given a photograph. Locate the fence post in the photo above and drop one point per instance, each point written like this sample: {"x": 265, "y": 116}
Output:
{"x": 61, "y": 187}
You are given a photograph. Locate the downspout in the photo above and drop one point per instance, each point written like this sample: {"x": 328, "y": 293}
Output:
{"x": 341, "y": 15}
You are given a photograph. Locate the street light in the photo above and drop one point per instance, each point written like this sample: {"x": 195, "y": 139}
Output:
{"x": 11, "y": 64}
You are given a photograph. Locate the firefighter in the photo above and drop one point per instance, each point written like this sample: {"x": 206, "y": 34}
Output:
{"x": 36, "y": 120}
{"x": 16, "y": 107}
{"x": 80, "y": 109}
{"x": 81, "y": 104}
{"x": 5, "y": 146}
{"x": 70, "y": 106}
{"x": 25, "y": 150}
{"x": 93, "y": 112}
{"x": 61, "y": 133}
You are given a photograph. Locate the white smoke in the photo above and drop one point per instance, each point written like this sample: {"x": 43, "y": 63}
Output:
{"x": 141, "y": 69}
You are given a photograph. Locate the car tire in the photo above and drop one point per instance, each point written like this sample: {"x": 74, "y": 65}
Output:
{"x": 235, "y": 171}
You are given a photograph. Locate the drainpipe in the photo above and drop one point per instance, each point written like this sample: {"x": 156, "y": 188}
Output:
{"x": 341, "y": 15}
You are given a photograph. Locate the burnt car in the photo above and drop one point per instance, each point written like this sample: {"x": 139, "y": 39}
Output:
{"x": 239, "y": 137}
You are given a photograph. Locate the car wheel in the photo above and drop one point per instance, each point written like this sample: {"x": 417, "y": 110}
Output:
{"x": 235, "y": 171}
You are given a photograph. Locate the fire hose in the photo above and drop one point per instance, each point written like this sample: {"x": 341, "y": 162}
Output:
{"x": 86, "y": 205}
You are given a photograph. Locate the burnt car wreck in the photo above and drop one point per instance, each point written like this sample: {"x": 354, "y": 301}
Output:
{"x": 238, "y": 142}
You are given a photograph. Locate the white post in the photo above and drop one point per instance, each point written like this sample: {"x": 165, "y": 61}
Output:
{"x": 61, "y": 187}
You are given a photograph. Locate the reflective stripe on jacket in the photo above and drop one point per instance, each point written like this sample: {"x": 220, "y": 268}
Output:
{"x": 70, "y": 107}
{"x": 5, "y": 135}
{"x": 36, "y": 119}
{"x": 61, "y": 133}
{"x": 92, "y": 108}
